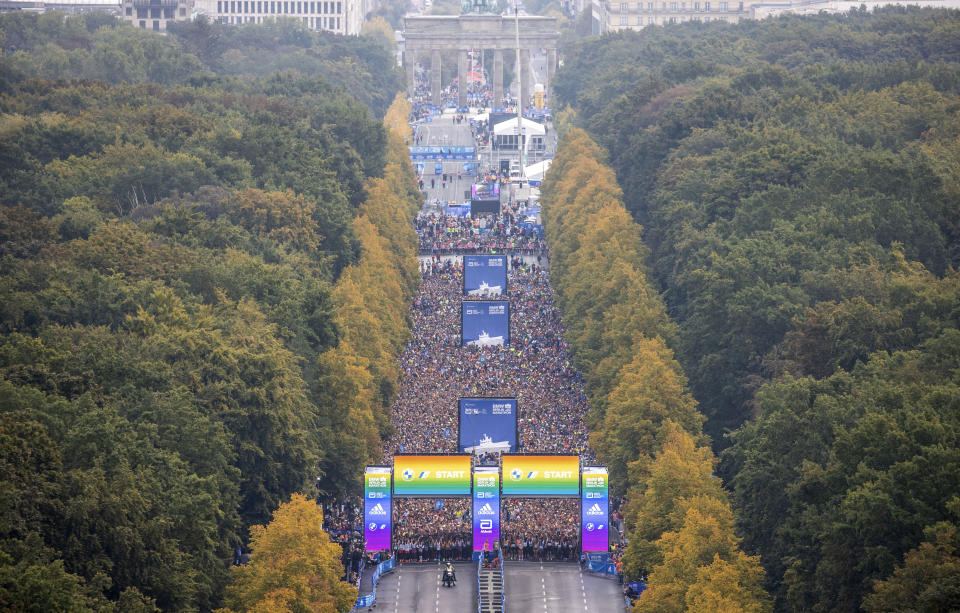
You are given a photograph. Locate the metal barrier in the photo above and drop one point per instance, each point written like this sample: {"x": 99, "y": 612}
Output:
{"x": 370, "y": 599}
{"x": 479, "y": 588}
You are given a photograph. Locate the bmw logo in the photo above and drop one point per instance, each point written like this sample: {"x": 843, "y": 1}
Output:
{"x": 516, "y": 474}
{"x": 407, "y": 474}
{"x": 372, "y": 527}
{"x": 589, "y": 527}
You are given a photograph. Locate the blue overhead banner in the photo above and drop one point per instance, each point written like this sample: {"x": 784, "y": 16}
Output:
{"x": 488, "y": 424}
{"x": 485, "y": 323}
{"x": 484, "y": 275}
{"x": 463, "y": 153}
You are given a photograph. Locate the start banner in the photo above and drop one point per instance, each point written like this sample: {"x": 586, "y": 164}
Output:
{"x": 541, "y": 475}
{"x": 431, "y": 475}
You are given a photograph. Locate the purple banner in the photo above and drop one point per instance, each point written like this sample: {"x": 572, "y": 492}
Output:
{"x": 486, "y": 508}
{"x": 377, "y": 509}
{"x": 595, "y": 509}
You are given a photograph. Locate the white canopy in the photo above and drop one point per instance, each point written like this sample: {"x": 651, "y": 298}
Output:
{"x": 530, "y": 127}
{"x": 535, "y": 172}
{"x": 479, "y": 116}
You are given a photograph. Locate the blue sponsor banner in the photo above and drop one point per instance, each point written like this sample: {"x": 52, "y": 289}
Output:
{"x": 595, "y": 509}
{"x": 486, "y": 508}
{"x": 377, "y": 510}
{"x": 485, "y": 323}
{"x": 488, "y": 423}
{"x": 484, "y": 275}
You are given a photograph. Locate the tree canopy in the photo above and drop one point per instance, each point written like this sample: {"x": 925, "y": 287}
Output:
{"x": 796, "y": 183}
{"x": 182, "y": 244}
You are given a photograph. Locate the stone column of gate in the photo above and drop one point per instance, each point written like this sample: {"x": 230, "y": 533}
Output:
{"x": 526, "y": 89}
{"x": 551, "y": 70}
{"x": 410, "y": 62}
{"x": 435, "y": 84}
{"x": 462, "y": 78}
{"x": 497, "y": 79}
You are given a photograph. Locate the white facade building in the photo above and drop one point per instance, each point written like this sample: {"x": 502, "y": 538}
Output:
{"x": 322, "y": 15}
{"x": 639, "y": 14}
{"x": 337, "y": 16}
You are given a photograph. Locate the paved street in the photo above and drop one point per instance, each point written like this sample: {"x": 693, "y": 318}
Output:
{"x": 559, "y": 587}
{"x": 415, "y": 588}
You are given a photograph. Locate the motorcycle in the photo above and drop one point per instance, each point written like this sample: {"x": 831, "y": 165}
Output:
{"x": 449, "y": 578}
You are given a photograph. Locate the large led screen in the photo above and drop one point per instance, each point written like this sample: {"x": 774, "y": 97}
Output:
{"x": 486, "y": 508}
{"x": 431, "y": 475}
{"x": 541, "y": 475}
{"x": 595, "y": 510}
{"x": 377, "y": 517}
{"x": 485, "y": 323}
{"x": 484, "y": 275}
{"x": 488, "y": 424}
{"x": 485, "y": 191}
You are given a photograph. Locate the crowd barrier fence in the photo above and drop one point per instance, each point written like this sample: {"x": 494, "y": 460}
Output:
{"x": 370, "y": 599}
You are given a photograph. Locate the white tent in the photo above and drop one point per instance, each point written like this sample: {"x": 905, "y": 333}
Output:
{"x": 530, "y": 128}
{"x": 479, "y": 116}
{"x": 535, "y": 172}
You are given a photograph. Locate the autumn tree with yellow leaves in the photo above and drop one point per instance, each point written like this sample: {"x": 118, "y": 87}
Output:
{"x": 294, "y": 566}
{"x": 645, "y": 424}
{"x": 358, "y": 378}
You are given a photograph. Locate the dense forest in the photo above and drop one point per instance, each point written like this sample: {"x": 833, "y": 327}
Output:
{"x": 186, "y": 227}
{"x": 796, "y": 185}
{"x": 644, "y": 423}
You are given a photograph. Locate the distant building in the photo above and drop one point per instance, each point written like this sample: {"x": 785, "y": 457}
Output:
{"x": 640, "y": 14}
{"x": 65, "y": 6}
{"x": 155, "y": 14}
{"x": 337, "y": 16}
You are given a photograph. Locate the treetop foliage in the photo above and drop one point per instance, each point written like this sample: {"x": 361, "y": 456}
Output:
{"x": 796, "y": 182}
{"x": 180, "y": 254}
{"x": 644, "y": 423}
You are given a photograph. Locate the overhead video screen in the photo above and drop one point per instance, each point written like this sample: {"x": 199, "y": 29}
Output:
{"x": 485, "y": 323}
{"x": 488, "y": 424}
{"x": 541, "y": 475}
{"x": 484, "y": 275}
{"x": 431, "y": 475}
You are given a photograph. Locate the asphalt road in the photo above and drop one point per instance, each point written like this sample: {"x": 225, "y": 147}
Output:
{"x": 415, "y": 588}
{"x": 443, "y": 131}
{"x": 560, "y": 587}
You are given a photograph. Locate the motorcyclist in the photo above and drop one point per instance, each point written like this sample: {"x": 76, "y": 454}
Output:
{"x": 450, "y": 574}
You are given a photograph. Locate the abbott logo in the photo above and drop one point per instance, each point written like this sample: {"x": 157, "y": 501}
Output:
{"x": 595, "y": 510}
{"x": 485, "y": 510}
{"x": 378, "y": 510}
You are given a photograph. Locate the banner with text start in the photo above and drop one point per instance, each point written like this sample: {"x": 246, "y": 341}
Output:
{"x": 486, "y": 508}
{"x": 431, "y": 475}
{"x": 377, "y": 508}
{"x": 595, "y": 509}
{"x": 541, "y": 475}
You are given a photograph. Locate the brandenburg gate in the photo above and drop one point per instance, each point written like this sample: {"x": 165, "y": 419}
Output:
{"x": 435, "y": 35}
